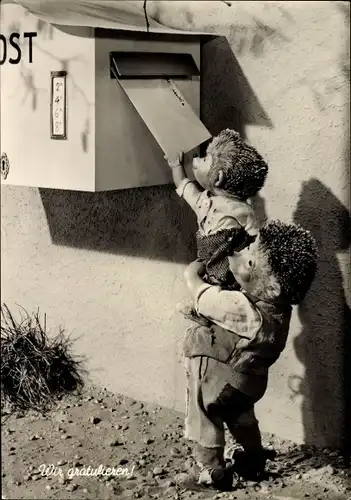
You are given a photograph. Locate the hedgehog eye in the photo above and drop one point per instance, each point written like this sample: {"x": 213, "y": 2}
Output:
{"x": 250, "y": 263}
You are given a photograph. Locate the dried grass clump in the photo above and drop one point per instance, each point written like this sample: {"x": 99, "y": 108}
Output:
{"x": 36, "y": 370}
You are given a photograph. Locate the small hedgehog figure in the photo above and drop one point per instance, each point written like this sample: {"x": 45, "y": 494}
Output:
{"x": 230, "y": 174}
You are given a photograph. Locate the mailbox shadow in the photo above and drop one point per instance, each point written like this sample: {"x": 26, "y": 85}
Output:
{"x": 324, "y": 343}
{"x": 149, "y": 222}
{"x": 227, "y": 99}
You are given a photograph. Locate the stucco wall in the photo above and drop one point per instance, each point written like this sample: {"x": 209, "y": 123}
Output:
{"x": 109, "y": 267}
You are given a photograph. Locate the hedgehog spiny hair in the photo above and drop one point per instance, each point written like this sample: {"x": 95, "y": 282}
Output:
{"x": 292, "y": 255}
{"x": 244, "y": 169}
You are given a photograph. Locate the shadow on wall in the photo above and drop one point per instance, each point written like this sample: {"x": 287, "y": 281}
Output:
{"x": 227, "y": 99}
{"x": 149, "y": 222}
{"x": 323, "y": 345}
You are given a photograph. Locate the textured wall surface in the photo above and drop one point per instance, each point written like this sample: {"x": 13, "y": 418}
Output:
{"x": 109, "y": 267}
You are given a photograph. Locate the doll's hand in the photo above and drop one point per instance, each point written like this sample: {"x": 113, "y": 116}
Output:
{"x": 178, "y": 162}
{"x": 195, "y": 268}
{"x": 193, "y": 276}
{"x": 242, "y": 344}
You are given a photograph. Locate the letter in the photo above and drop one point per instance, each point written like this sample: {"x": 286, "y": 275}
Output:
{"x": 132, "y": 471}
{"x": 41, "y": 468}
{"x": 70, "y": 473}
{"x": 50, "y": 469}
{"x": 30, "y": 35}
{"x": 15, "y": 46}
{"x": 3, "y": 39}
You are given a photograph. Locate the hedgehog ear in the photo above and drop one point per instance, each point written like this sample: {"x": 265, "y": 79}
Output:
{"x": 220, "y": 179}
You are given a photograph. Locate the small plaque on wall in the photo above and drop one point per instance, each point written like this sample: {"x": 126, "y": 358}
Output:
{"x": 58, "y": 105}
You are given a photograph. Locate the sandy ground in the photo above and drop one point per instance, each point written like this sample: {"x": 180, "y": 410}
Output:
{"x": 50, "y": 457}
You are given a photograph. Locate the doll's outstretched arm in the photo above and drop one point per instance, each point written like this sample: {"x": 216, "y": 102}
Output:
{"x": 186, "y": 188}
{"x": 177, "y": 167}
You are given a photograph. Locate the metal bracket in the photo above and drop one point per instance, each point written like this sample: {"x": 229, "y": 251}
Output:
{"x": 4, "y": 165}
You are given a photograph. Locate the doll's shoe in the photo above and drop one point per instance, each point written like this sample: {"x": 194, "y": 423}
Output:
{"x": 198, "y": 479}
{"x": 224, "y": 478}
{"x": 249, "y": 465}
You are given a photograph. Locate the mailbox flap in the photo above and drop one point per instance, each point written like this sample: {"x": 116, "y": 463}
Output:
{"x": 167, "y": 115}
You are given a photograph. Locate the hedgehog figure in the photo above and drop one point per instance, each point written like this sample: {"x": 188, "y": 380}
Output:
{"x": 249, "y": 332}
{"x": 230, "y": 174}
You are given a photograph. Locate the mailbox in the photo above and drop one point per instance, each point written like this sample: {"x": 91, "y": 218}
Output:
{"x": 95, "y": 109}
